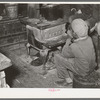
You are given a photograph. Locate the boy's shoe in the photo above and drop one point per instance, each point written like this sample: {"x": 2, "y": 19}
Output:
{"x": 68, "y": 80}
{"x": 62, "y": 83}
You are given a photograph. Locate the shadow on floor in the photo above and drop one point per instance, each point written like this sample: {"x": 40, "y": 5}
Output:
{"x": 11, "y": 73}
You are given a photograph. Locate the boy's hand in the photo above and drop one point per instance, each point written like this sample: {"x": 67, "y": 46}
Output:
{"x": 69, "y": 32}
{"x": 68, "y": 41}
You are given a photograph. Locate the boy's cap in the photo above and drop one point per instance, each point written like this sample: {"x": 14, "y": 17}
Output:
{"x": 80, "y": 27}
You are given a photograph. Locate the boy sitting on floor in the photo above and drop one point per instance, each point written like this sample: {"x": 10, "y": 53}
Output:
{"x": 77, "y": 56}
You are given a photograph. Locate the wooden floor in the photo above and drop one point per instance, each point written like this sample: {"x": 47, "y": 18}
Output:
{"x": 23, "y": 75}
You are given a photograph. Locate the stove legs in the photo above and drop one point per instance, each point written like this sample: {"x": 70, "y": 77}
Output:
{"x": 28, "y": 48}
{"x": 43, "y": 54}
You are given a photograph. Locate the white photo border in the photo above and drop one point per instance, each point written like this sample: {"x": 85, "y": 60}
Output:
{"x": 44, "y": 92}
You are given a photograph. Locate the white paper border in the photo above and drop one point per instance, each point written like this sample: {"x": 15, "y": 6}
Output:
{"x": 44, "y": 92}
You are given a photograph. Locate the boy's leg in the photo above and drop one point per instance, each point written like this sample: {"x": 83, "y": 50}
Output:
{"x": 63, "y": 67}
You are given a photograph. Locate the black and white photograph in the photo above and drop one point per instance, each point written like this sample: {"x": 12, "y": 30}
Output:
{"x": 50, "y": 45}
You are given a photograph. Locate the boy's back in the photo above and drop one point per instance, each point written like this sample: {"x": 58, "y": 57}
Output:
{"x": 84, "y": 55}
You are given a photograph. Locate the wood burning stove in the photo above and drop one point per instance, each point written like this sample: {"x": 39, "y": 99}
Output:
{"x": 44, "y": 36}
